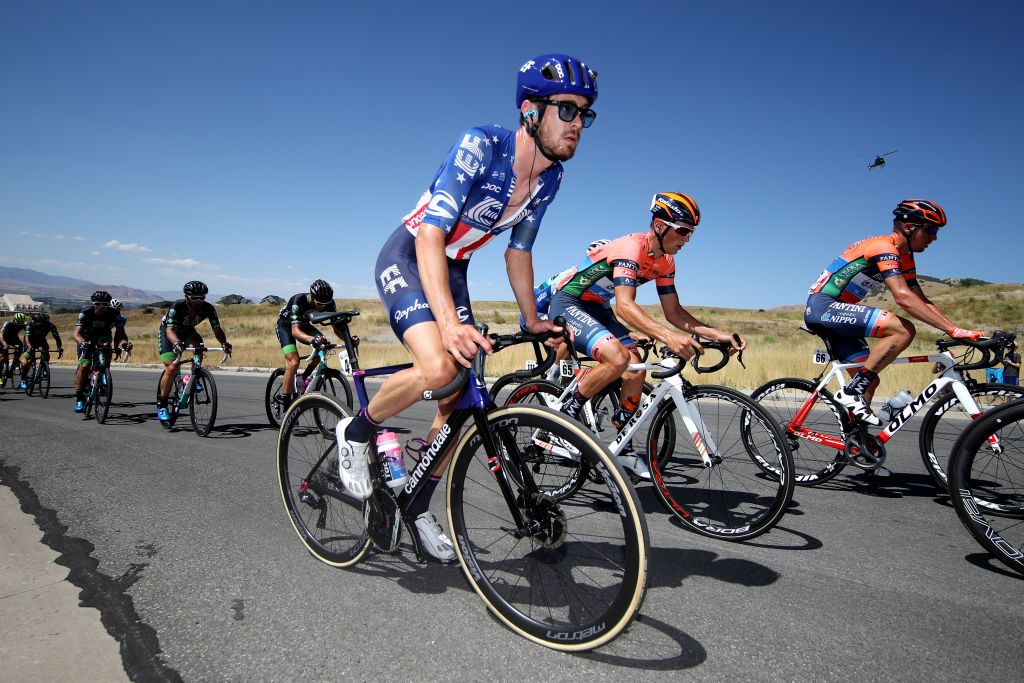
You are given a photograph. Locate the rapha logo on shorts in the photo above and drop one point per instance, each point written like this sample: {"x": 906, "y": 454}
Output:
{"x": 416, "y": 305}
{"x": 391, "y": 279}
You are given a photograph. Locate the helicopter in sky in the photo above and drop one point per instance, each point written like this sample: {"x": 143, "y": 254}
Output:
{"x": 879, "y": 161}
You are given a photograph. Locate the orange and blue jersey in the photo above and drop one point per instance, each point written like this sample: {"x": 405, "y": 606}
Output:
{"x": 623, "y": 261}
{"x": 863, "y": 266}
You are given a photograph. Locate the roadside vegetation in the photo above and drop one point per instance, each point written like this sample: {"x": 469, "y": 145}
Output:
{"x": 777, "y": 346}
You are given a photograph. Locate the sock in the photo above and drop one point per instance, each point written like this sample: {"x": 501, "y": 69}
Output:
{"x": 422, "y": 502}
{"x": 859, "y": 383}
{"x": 79, "y": 395}
{"x": 574, "y": 403}
{"x": 161, "y": 402}
{"x": 625, "y": 411}
{"x": 361, "y": 428}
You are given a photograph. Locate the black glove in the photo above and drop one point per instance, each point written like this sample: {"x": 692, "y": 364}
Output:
{"x": 319, "y": 341}
{"x": 127, "y": 346}
{"x": 60, "y": 352}
{"x": 179, "y": 347}
{"x": 227, "y": 348}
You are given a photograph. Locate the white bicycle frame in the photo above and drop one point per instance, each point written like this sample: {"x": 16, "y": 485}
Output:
{"x": 672, "y": 387}
{"x": 948, "y": 377}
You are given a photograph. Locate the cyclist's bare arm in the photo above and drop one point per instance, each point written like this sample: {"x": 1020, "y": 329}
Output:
{"x": 630, "y": 313}
{"x": 302, "y": 336}
{"x": 519, "y": 265}
{"x": 458, "y": 339}
{"x": 684, "y": 320}
{"x": 914, "y": 302}
{"x": 77, "y": 335}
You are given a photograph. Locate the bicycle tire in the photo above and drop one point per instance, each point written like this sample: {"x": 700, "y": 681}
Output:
{"x": 104, "y": 394}
{"x": 734, "y": 499}
{"x": 598, "y": 537}
{"x": 946, "y": 419}
{"x": 272, "y": 397}
{"x": 43, "y": 379}
{"x": 813, "y": 463}
{"x": 202, "y": 402}
{"x": 987, "y": 487}
{"x": 555, "y": 473}
{"x": 330, "y": 524}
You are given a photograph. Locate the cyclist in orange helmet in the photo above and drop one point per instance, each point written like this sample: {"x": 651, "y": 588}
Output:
{"x": 834, "y": 309}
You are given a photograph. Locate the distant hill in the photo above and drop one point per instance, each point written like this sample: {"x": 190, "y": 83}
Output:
{"x": 60, "y": 290}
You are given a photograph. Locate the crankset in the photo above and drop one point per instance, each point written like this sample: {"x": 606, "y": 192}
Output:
{"x": 864, "y": 450}
{"x": 382, "y": 519}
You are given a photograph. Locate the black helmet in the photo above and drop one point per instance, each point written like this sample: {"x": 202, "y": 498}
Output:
{"x": 40, "y": 317}
{"x": 195, "y": 289}
{"x": 100, "y": 297}
{"x": 322, "y": 292}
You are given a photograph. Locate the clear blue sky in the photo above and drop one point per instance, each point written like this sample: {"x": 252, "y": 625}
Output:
{"x": 259, "y": 145}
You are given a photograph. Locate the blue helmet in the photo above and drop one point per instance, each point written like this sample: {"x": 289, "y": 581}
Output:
{"x": 554, "y": 74}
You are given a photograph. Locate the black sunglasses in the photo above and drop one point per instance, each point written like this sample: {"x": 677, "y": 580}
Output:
{"x": 195, "y": 298}
{"x": 567, "y": 111}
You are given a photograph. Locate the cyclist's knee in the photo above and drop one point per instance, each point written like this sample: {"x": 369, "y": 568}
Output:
{"x": 291, "y": 361}
{"x": 615, "y": 356}
{"x": 437, "y": 372}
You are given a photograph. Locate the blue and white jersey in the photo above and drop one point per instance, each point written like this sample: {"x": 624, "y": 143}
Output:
{"x": 471, "y": 191}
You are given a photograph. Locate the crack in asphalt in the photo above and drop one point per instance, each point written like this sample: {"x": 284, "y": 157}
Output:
{"x": 139, "y": 644}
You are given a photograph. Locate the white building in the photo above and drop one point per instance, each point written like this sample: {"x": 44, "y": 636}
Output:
{"x": 19, "y": 303}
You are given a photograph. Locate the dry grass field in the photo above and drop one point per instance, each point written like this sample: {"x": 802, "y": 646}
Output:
{"x": 777, "y": 347}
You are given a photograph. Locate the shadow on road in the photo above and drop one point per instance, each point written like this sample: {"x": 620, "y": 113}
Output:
{"x": 989, "y": 563}
{"x": 239, "y": 430}
{"x": 899, "y": 485}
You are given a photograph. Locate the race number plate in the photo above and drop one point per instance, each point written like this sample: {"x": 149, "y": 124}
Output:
{"x": 820, "y": 357}
{"x": 567, "y": 368}
{"x": 531, "y": 365}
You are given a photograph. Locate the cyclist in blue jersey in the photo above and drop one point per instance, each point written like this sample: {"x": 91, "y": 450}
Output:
{"x": 493, "y": 180}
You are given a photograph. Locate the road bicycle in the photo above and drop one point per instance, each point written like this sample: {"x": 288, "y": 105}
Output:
{"x": 38, "y": 377}
{"x": 100, "y": 390}
{"x": 700, "y": 448}
{"x": 569, "y": 574}
{"x": 825, "y": 437}
{"x": 322, "y": 378}
{"x": 9, "y": 368}
{"x": 196, "y": 391}
{"x": 986, "y": 482}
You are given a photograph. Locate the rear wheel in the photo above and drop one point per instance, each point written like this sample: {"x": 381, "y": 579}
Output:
{"x": 947, "y": 419}
{"x": 202, "y": 402}
{"x": 986, "y": 482}
{"x": 328, "y": 520}
{"x": 734, "y": 497}
{"x": 573, "y": 575}
{"x": 272, "y": 398}
{"x": 555, "y": 466}
{"x": 813, "y": 462}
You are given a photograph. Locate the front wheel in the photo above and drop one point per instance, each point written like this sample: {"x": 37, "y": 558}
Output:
{"x": 985, "y": 482}
{"x": 814, "y": 462}
{"x": 328, "y": 520}
{"x": 104, "y": 394}
{"x": 713, "y": 480}
{"x": 202, "y": 402}
{"x": 946, "y": 420}
{"x": 43, "y": 379}
{"x": 569, "y": 574}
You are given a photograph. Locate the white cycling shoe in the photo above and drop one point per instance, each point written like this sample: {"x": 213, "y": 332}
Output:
{"x": 353, "y": 463}
{"x": 433, "y": 538}
{"x": 856, "y": 404}
{"x": 634, "y": 464}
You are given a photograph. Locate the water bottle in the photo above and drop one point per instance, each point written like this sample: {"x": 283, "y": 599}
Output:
{"x": 182, "y": 396}
{"x": 894, "y": 405}
{"x": 392, "y": 463}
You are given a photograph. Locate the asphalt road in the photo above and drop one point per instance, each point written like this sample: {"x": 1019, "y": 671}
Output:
{"x": 183, "y": 544}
